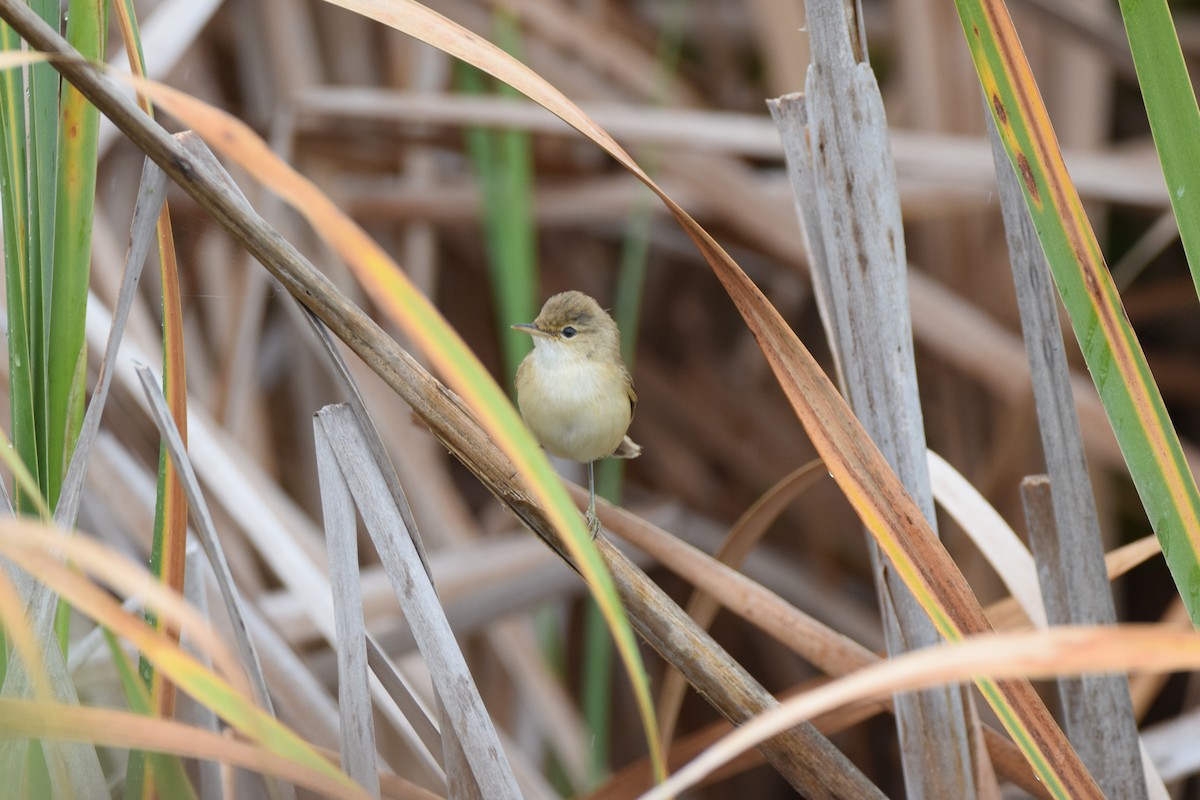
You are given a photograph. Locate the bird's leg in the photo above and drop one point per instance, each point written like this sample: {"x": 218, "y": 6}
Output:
{"x": 593, "y": 521}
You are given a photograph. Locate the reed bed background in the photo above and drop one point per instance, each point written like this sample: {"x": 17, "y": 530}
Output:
{"x": 491, "y": 204}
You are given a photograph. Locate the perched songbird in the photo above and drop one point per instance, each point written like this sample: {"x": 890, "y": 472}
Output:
{"x": 573, "y": 388}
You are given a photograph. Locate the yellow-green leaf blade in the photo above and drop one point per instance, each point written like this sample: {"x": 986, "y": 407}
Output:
{"x": 1130, "y": 396}
{"x": 37, "y": 550}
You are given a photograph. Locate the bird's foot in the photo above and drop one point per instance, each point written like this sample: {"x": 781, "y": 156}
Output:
{"x": 593, "y": 522}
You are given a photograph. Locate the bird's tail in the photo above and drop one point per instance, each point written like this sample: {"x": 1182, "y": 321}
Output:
{"x": 628, "y": 448}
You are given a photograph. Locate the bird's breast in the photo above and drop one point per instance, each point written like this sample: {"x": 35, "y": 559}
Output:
{"x": 577, "y": 408}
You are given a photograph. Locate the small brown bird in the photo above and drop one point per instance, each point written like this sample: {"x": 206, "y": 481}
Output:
{"x": 573, "y": 389}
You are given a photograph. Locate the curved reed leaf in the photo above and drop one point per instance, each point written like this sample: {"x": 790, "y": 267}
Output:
{"x": 113, "y": 728}
{"x": 743, "y": 537}
{"x": 1041, "y": 654}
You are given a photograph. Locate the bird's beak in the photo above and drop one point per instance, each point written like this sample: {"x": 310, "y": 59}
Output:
{"x": 530, "y": 328}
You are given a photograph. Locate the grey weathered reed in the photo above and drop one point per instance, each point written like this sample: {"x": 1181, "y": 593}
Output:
{"x": 414, "y": 590}
{"x": 195, "y": 590}
{"x": 801, "y": 755}
{"x": 459, "y": 775}
{"x": 206, "y": 531}
{"x": 836, "y": 144}
{"x": 354, "y": 400}
{"x": 405, "y": 697}
{"x": 355, "y": 720}
{"x": 1097, "y": 711}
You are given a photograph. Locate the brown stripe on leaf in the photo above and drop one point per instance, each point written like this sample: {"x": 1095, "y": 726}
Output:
{"x": 1027, "y": 176}
{"x": 998, "y": 106}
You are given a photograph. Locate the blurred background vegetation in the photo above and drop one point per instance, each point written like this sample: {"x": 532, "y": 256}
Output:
{"x": 491, "y": 205}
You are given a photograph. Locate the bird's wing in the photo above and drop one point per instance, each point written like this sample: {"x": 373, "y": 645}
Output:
{"x": 628, "y": 448}
{"x": 632, "y": 395}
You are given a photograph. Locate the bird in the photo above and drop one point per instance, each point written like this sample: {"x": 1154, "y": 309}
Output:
{"x": 574, "y": 390}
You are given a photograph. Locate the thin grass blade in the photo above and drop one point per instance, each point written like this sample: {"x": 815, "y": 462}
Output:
{"x": 503, "y": 160}
{"x": 24, "y": 479}
{"x": 405, "y": 697}
{"x": 195, "y": 586}
{"x": 41, "y": 140}
{"x": 1171, "y": 108}
{"x": 87, "y": 30}
{"x": 14, "y": 183}
{"x": 207, "y": 533}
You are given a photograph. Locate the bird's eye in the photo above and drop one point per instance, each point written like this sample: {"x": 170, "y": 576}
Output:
{"x": 569, "y": 332}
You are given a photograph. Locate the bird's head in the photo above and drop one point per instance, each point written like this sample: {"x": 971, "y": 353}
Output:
{"x": 573, "y": 322}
